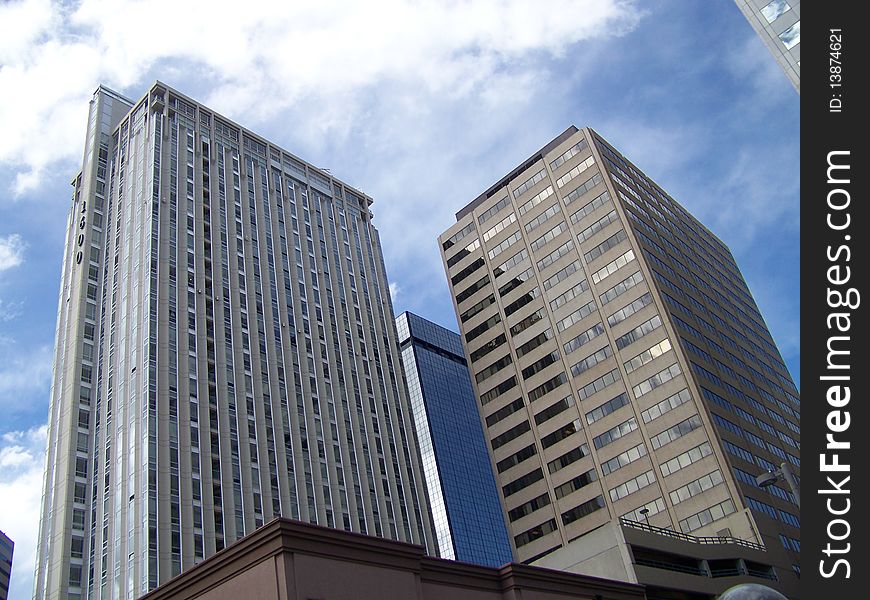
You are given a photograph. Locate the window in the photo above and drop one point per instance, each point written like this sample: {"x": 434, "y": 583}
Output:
{"x": 648, "y": 355}
{"x": 615, "y": 433}
{"x": 523, "y": 482}
{"x": 547, "y": 387}
{"x": 488, "y": 347}
{"x": 572, "y": 293}
{"x": 493, "y": 368}
{"x": 529, "y": 507}
{"x": 493, "y": 210}
{"x": 549, "y": 236}
{"x": 560, "y": 434}
{"x": 534, "y": 342}
{"x": 536, "y": 200}
{"x": 686, "y": 458}
{"x": 568, "y": 458}
{"x": 638, "y": 332}
{"x": 554, "y": 409}
{"x": 543, "y": 217}
{"x": 677, "y": 431}
{"x": 607, "y": 408}
{"x": 504, "y": 412}
{"x": 622, "y": 459}
{"x": 528, "y": 183}
{"x": 498, "y": 390}
{"x": 604, "y": 246}
{"x": 666, "y": 405}
{"x": 660, "y": 378}
{"x": 714, "y": 513}
{"x": 555, "y": 255}
{"x": 590, "y": 361}
{"x": 580, "y": 192}
{"x": 538, "y": 531}
{"x": 511, "y": 434}
{"x": 599, "y": 384}
{"x": 516, "y": 458}
{"x": 576, "y": 316}
{"x": 612, "y": 266}
{"x": 580, "y": 168}
{"x": 575, "y": 484}
{"x": 580, "y": 511}
{"x": 629, "y": 310}
{"x": 597, "y": 226}
{"x": 498, "y": 227}
{"x": 693, "y": 488}
{"x": 458, "y": 236}
{"x": 791, "y": 37}
{"x": 575, "y": 149}
{"x": 621, "y": 287}
{"x": 632, "y": 485}
{"x": 772, "y": 11}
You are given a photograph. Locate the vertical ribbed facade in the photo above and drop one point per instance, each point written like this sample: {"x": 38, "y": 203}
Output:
{"x": 466, "y": 512}
{"x": 226, "y": 353}
{"x": 778, "y": 24}
{"x": 621, "y": 365}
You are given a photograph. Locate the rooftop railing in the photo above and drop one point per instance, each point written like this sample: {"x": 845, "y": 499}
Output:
{"x": 689, "y": 538}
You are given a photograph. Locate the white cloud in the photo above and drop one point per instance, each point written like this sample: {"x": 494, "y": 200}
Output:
{"x": 22, "y": 456}
{"x": 22, "y": 373}
{"x": 752, "y": 65}
{"x": 325, "y": 55}
{"x": 395, "y": 290}
{"x": 9, "y": 311}
{"x": 11, "y": 251}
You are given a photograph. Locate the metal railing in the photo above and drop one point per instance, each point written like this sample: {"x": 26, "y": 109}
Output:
{"x": 648, "y": 562}
{"x": 763, "y": 574}
{"x": 689, "y": 538}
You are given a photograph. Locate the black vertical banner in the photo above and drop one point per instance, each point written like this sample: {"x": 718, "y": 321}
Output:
{"x": 835, "y": 234}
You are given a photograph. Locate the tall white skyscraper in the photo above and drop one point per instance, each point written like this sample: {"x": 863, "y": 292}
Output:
{"x": 226, "y": 353}
{"x": 778, "y": 24}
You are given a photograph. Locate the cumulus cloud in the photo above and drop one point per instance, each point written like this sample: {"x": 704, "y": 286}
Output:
{"x": 11, "y": 251}
{"x": 22, "y": 455}
{"x": 323, "y": 54}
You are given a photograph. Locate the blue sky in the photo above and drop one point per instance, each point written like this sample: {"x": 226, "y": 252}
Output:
{"x": 422, "y": 105}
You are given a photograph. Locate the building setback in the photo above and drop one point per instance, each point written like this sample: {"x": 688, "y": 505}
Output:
{"x": 225, "y": 354}
{"x": 466, "y": 511}
{"x": 7, "y": 548}
{"x": 290, "y": 560}
{"x": 778, "y": 24}
{"x": 625, "y": 376}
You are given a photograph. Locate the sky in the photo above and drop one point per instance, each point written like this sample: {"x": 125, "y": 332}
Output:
{"x": 422, "y": 104}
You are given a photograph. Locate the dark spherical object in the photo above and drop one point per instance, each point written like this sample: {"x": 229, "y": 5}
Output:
{"x": 751, "y": 591}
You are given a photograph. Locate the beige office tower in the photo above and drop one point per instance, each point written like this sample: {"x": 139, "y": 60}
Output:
{"x": 226, "y": 353}
{"x": 628, "y": 386}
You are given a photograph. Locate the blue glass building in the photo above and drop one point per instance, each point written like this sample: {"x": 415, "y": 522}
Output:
{"x": 466, "y": 511}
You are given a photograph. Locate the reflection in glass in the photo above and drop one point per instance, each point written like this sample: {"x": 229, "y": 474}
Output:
{"x": 791, "y": 37}
{"x": 773, "y": 10}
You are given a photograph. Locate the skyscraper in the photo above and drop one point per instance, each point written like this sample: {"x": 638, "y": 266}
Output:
{"x": 778, "y": 24}
{"x": 7, "y": 548}
{"x": 225, "y": 353}
{"x": 624, "y": 371}
{"x": 466, "y": 511}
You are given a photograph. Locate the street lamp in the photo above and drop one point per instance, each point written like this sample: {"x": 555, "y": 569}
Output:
{"x": 785, "y": 473}
{"x": 645, "y": 513}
